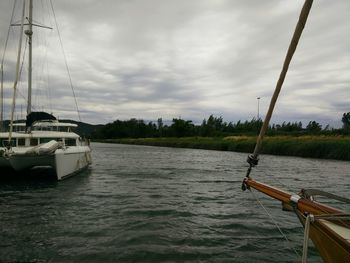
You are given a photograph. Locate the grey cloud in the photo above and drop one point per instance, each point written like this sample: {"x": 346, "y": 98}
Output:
{"x": 150, "y": 59}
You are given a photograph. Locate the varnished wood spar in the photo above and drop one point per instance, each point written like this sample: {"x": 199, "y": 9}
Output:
{"x": 303, "y": 205}
{"x": 292, "y": 47}
{"x": 332, "y": 247}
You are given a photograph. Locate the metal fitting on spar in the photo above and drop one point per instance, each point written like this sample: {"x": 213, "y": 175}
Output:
{"x": 245, "y": 186}
{"x": 294, "y": 199}
{"x": 252, "y": 160}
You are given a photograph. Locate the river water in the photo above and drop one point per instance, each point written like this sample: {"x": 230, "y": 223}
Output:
{"x": 153, "y": 204}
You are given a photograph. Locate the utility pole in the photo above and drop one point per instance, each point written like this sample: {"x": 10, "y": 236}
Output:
{"x": 258, "y": 98}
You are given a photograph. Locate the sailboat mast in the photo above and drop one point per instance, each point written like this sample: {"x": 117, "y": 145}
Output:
{"x": 2, "y": 98}
{"x": 17, "y": 73}
{"x": 29, "y": 33}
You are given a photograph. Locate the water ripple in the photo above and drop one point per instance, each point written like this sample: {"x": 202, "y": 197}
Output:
{"x": 151, "y": 204}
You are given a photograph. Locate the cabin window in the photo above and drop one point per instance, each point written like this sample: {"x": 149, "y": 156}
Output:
{"x": 33, "y": 142}
{"x": 21, "y": 142}
{"x": 5, "y": 142}
{"x": 45, "y": 140}
{"x": 19, "y": 128}
{"x": 71, "y": 142}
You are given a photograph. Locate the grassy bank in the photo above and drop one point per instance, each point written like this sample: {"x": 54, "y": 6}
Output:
{"x": 325, "y": 147}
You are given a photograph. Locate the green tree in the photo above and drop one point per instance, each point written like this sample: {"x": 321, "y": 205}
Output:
{"x": 313, "y": 127}
{"x": 160, "y": 127}
{"x": 208, "y": 126}
{"x": 214, "y": 126}
{"x": 346, "y": 121}
{"x": 182, "y": 128}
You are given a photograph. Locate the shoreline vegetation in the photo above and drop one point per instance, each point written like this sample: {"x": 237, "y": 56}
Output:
{"x": 288, "y": 138}
{"x": 310, "y": 146}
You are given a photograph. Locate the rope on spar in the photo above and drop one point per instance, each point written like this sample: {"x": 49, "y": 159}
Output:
{"x": 253, "y": 159}
{"x": 306, "y": 237}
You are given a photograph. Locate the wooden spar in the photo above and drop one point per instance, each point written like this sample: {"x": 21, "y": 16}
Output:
{"x": 303, "y": 205}
{"x": 292, "y": 47}
{"x": 332, "y": 245}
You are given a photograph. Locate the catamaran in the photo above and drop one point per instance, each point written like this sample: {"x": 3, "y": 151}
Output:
{"x": 327, "y": 227}
{"x": 42, "y": 141}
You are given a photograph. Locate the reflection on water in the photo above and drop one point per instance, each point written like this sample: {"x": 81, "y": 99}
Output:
{"x": 139, "y": 203}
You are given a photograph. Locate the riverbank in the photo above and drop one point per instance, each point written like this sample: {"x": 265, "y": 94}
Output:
{"x": 322, "y": 147}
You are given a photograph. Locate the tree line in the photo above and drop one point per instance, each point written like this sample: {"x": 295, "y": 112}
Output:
{"x": 211, "y": 127}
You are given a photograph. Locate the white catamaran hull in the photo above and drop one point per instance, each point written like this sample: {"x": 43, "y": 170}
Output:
{"x": 71, "y": 160}
{"x": 65, "y": 162}
{"x": 24, "y": 162}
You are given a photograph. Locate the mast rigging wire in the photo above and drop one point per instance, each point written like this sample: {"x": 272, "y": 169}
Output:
{"x": 276, "y": 224}
{"x": 65, "y": 61}
{"x": 2, "y": 69}
{"x": 17, "y": 75}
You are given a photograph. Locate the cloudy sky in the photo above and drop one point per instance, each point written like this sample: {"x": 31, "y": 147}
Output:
{"x": 147, "y": 59}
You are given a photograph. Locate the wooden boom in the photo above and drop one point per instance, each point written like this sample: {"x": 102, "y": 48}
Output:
{"x": 303, "y": 205}
{"x": 329, "y": 229}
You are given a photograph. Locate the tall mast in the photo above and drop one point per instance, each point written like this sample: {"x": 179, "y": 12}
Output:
{"x": 17, "y": 73}
{"x": 29, "y": 33}
{"x": 2, "y": 73}
{"x": 2, "y": 98}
